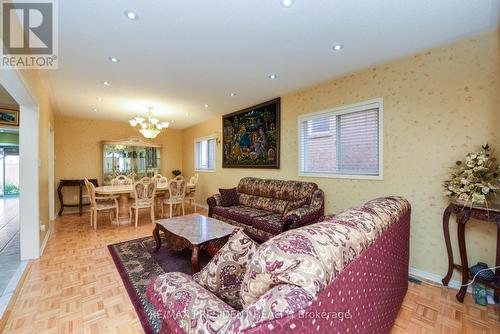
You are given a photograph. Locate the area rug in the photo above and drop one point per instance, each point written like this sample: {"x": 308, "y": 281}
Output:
{"x": 137, "y": 264}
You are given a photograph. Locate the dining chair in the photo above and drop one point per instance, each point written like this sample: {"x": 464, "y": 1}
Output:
{"x": 161, "y": 182}
{"x": 121, "y": 180}
{"x": 145, "y": 179}
{"x": 98, "y": 203}
{"x": 191, "y": 191}
{"x": 177, "y": 191}
{"x": 157, "y": 177}
{"x": 144, "y": 198}
{"x": 179, "y": 177}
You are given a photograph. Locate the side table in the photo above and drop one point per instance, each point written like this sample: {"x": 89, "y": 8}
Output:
{"x": 464, "y": 213}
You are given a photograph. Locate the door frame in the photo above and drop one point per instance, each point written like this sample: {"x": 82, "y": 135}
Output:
{"x": 29, "y": 163}
{"x": 52, "y": 206}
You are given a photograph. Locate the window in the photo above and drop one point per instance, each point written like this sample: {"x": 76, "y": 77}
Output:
{"x": 344, "y": 142}
{"x": 204, "y": 154}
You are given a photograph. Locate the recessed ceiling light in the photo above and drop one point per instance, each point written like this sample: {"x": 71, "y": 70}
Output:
{"x": 272, "y": 76}
{"x": 94, "y": 109}
{"x": 206, "y": 105}
{"x": 99, "y": 99}
{"x": 106, "y": 83}
{"x": 338, "y": 47}
{"x": 114, "y": 59}
{"x": 131, "y": 15}
{"x": 287, "y": 3}
{"x": 232, "y": 94}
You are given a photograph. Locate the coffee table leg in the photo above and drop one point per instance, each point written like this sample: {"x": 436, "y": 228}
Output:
{"x": 195, "y": 261}
{"x": 156, "y": 235}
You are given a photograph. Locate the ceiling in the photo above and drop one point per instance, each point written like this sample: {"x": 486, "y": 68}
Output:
{"x": 180, "y": 55}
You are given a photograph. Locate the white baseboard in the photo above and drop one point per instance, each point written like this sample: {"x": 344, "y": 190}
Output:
{"x": 47, "y": 236}
{"x": 454, "y": 284}
{"x": 204, "y": 206}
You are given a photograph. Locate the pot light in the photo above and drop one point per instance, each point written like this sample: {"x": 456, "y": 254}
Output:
{"x": 272, "y": 76}
{"x": 106, "y": 83}
{"x": 338, "y": 47}
{"x": 114, "y": 59}
{"x": 232, "y": 94}
{"x": 131, "y": 15}
{"x": 94, "y": 109}
{"x": 206, "y": 106}
{"x": 287, "y": 3}
{"x": 99, "y": 99}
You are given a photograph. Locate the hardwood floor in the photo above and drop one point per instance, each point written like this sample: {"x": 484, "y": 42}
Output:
{"x": 75, "y": 288}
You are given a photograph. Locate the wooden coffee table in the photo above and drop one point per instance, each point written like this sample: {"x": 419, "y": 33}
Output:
{"x": 194, "y": 232}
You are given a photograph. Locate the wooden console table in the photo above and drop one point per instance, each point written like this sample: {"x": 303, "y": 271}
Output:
{"x": 72, "y": 183}
{"x": 463, "y": 214}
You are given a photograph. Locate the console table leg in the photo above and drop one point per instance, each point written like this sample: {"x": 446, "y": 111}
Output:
{"x": 446, "y": 232}
{"x": 497, "y": 262}
{"x": 462, "y": 219}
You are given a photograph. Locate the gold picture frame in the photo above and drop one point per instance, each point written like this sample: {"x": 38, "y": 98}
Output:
{"x": 9, "y": 115}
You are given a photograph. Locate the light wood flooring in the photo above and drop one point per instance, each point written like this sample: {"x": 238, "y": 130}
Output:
{"x": 75, "y": 288}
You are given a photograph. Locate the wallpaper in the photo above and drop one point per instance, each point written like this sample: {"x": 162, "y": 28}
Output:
{"x": 438, "y": 105}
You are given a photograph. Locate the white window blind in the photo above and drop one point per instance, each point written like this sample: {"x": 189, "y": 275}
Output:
{"x": 204, "y": 154}
{"x": 344, "y": 142}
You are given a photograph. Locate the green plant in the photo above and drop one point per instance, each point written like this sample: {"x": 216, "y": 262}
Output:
{"x": 11, "y": 189}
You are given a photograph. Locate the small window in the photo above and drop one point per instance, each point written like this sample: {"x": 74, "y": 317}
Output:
{"x": 344, "y": 142}
{"x": 204, "y": 154}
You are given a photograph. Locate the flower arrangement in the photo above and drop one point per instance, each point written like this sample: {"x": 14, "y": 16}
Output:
{"x": 475, "y": 179}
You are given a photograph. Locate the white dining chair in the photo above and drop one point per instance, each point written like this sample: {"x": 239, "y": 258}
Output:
{"x": 177, "y": 192}
{"x": 191, "y": 191}
{"x": 144, "y": 198}
{"x": 121, "y": 180}
{"x": 98, "y": 203}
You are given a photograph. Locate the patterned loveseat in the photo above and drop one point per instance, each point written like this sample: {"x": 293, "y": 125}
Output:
{"x": 346, "y": 274}
{"x": 269, "y": 207}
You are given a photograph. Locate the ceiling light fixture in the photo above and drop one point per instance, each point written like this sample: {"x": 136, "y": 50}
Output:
{"x": 338, "y": 47}
{"x": 272, "y": 76}
{"x": 131, "y": 15}
{"x": 106, "y": 83}
{"x": 287, "y": 3}
{"x": 150, "y": 127}
{"x": 114, "y": 59}
{"x": 232, "y": 94}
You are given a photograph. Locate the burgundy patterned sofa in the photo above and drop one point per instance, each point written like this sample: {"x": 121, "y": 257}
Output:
{"x": 346, "y": 274}
{"x": 269, "y": 207}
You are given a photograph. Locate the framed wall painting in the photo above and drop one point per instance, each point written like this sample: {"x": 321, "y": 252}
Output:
{"x": 251, "y": 137}
{"x": 9, "y": 115}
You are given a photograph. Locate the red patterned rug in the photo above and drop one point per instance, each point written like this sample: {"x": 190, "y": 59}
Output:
{"x": 138, "y": 264}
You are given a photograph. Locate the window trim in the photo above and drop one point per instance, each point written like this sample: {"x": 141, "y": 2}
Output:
{"x": 197, "y": 140}
{"x": 365, "y": 105}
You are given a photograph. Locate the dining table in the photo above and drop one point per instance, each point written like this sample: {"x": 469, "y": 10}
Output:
{"x": 124, "y": 192}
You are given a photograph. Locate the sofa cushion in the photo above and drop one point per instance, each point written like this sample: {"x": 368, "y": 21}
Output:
{"x": 229, "y": 197}
{"x": 295, "y": 205}
{"x": 260, "y": 187}
{"x": 224, "y": 273}
{"x": 272, "y": 223}
{"x": 307, "y": 257}
{"x": 241, "y": 213}
{"x": 184, "y": 303}
{"x": 274, "y": 205}
{"x": 297, "y": 190}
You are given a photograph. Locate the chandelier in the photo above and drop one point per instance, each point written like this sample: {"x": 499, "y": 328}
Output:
{"x": 150, "y": 127}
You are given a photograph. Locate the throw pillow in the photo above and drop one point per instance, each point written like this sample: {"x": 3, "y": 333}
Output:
{"x": 224, "y": 273}
{"x": 229, "y": 197}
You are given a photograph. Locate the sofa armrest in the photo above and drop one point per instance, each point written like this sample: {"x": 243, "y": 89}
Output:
{"x": 307, "y": 214}
{"x": 212, "y": 202}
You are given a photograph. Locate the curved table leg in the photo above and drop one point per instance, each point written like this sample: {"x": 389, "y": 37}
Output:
{"x": 156, "y": 235}
{"x": 195, "y": 261}
{"x": 462, "y": 219}
{"x": 446, "y": 232}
